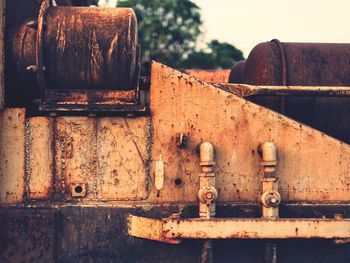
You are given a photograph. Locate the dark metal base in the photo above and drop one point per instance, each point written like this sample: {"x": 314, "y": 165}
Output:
{"x": 76, "y": 234}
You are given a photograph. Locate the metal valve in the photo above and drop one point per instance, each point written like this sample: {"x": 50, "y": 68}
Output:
{"x": 207, "y": 194}
{"x": 271, "y": 199}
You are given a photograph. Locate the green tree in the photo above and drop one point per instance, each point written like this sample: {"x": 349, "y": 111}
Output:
{"x": 169, "y": 31}
{"x": 220, "y": 55}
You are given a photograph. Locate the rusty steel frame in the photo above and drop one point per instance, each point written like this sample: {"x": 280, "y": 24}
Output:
{"x": 174, "y": 230}
{"x": 312, "y": 167}
{"x": 245, "y": 90}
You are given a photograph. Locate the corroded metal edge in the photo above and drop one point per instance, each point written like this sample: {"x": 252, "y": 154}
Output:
{"x": 2, "y": 53}
{"x": 245, "y": 90}
{"x": 168, "y": 229}
{"x": 148, "y": 228}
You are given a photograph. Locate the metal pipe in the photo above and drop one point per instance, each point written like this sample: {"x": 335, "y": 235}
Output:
{"x": 243, "y": 90}
{"x": 270, "y": 197}
{"x": 207, "y": 194}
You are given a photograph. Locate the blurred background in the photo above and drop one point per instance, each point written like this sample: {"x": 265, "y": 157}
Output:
{"x": 207, "y": 34}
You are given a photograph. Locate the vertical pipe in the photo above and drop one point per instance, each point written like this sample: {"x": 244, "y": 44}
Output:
{"x": 270, "y": 197}
{"x": 207, "y": 195}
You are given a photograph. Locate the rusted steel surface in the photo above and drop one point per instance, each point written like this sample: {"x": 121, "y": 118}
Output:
{"x": 113, "y": 158}
{"x": 77, "y": 234}
{"x": 46, "y": 158}
{"x": 251, "y": 228}
{"x": 308, "y": 64}
{"x": 2, "y": 53}
{"x": 12, "y": 177}
{"x": 304, "y": 64}
{"x": 245, "y": 90}
{"x": 27, "y": 236}
{"x": 256, "y": 228}
{"x": 107, "y": 157}
{"x": 312, "y": 166}
{"x": 39, "y": 158}
{"x": 237, "y": 72}
{"x": 108, "y": 97}
{"x": 78, "y": 52}
{"x": 99, "y": 234}
{"x": 148, "y": 228}
{"x": 210, "y": 76}
{"x": 107, "y": 154}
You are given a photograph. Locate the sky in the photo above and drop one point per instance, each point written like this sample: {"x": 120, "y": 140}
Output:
{"x": 246, "y": 23}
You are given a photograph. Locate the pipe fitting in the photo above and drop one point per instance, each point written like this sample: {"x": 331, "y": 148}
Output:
{"x": 207, "y": 194}
{"x": 268, "y": 152}
{"x": 206, "y": 155}
{"x": 271, "y": 199}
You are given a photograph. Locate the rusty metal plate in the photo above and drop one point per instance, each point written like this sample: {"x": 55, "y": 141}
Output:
{"x": 148, "y": 228}
{"x": 39, "y": 161}
{"x": 256, "y": 228}
{"x": 103, "y": 158}
{"x": 210, "y": 76}
{"x": 12, "y": 133}
{"x": 165, "y": 230}
{"x": 313, "y": 167}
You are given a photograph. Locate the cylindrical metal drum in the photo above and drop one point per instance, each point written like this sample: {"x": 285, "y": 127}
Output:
{"x": 83, "y": 48}
{"x": 308, "y": 64}
{"x": 304, "y": 64}
{"x": 237, "y": 72}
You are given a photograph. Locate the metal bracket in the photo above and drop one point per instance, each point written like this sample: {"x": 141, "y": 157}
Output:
{"x": 173, "y": 230}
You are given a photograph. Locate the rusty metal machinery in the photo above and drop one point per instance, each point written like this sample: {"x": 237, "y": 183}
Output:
{"x": 207, "y": 172}
{"x": 301, "y": 64}
{"x": 237, "y": 71}
{"x": 65, "y": 51}
{"x": 75, "y": 52}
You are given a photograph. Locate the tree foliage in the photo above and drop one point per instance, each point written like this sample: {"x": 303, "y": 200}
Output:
{"x": 169, "y": 31}
{"x": 220, "y": 55}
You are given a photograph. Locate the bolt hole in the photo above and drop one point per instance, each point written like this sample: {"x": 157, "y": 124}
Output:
{"x": 178, "y": 181}
{"x": 78, "y": 189}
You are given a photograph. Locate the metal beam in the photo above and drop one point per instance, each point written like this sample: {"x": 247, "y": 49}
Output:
{"x": 243, "y": 90}
{"x": 242, "y": 228}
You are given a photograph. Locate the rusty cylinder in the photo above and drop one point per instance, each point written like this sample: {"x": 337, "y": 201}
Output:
{"x": 298, "y": 64}
{"x": 237, "y": 72}
{"x": 303, "y": 64}
{"x": 83, "y": 48}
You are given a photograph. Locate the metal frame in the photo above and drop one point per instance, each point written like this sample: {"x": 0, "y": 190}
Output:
{"x": 244, "y": 90}
{"x": 173, "y": 230}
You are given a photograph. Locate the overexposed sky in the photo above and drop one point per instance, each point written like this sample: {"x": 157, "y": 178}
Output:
{"x": 246, "y": 23}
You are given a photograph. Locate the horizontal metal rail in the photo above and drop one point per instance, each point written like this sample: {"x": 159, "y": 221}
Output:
{"x": 173, "y": 230}
{"x": 243, "y": 90}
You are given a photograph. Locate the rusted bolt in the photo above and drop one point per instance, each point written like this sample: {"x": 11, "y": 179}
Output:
{"x": 33, "y": 68}
{"x": 175, "y": 216}
{"x": 271, "y": 199}
{"x": 181, "y": 140}
{"x": 338, "y": 216}
{"x": 78, "y": 189}
{"x": 32, "y": 24}
{"x": 207, "y": 194}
